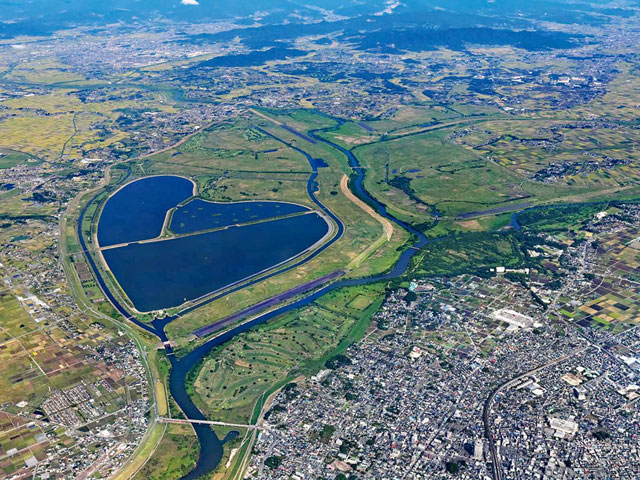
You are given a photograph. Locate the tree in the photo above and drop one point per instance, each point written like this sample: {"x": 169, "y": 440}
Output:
{"x": 337, "y": 361}
{"x": 410, "y": 297}
{"x": 452, "y": 467}
{"x": 273, "y": 462}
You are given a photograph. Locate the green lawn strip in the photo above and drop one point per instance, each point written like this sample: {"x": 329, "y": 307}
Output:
{"x": 356, "y": 333}
{"x": 242, "y": 451}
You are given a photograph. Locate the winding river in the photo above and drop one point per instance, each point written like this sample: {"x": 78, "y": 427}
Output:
{"x": 211, "y": 447}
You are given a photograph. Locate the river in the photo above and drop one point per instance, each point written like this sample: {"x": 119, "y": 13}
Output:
{"x": 211, "y": 447}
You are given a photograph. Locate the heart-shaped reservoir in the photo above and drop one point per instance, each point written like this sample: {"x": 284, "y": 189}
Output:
{"x": 212, "y": 246}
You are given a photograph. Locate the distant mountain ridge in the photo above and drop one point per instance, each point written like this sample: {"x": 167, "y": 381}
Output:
{"x": 285, "y": 17}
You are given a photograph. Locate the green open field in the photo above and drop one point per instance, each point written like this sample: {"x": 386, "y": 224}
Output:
{"x": 301, "y": 120}
{"x": 44, "y": 71}
{"x": 350, "y": 134}
{"x": 233, "y": 145}
{"x": 235, "y": 161}
{"x": 11, "y": 158}
{"x": 235, "y": 376}
{"x": 361, "y": 230}
{"x": 175, "y": 455}
{"x": 16, "y": 321}
{"x": 426, "y": 170}
{"x": 478, "y": 252}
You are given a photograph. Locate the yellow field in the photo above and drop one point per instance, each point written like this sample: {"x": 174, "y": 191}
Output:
{"x": 161, "y": 398}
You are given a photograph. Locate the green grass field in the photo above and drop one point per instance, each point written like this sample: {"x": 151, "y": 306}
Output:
{"x": 175, "y": 455}
{"x": 11, "y": 158}
{"x": 235, "y": 376}
{"x": 361, "y": 230}
{"x": 425, "y": 170}
{"x": 415, "y": 173}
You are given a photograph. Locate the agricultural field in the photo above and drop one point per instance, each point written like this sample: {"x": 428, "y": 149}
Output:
{"x": 18, "y": 320}
{"x": 483, "y": 160}
{"x": 614, "y": 105}
{"x": 37, "y": 362}
{"x": 623, "y": 255}
{"x": 614, "y": 303}
{"x": 21, "y": 443}
{"x": 569, "y": 153}
{"x": 55, "y": 115}
{"x": 43, "y": 71}
{"x": 52, "y": 378}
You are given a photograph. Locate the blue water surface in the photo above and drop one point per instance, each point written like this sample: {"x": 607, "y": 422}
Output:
{"x": 198, "y": 214}
{"x": 166, "y": 273}
{"x": 137, "y": 211}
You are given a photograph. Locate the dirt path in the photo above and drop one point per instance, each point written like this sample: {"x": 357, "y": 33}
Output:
{"x": 262, "y": 115}
{"x": 386, "y": 224}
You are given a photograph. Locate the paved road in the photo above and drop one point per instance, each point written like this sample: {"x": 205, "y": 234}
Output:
{"x": 184, "y": 421}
